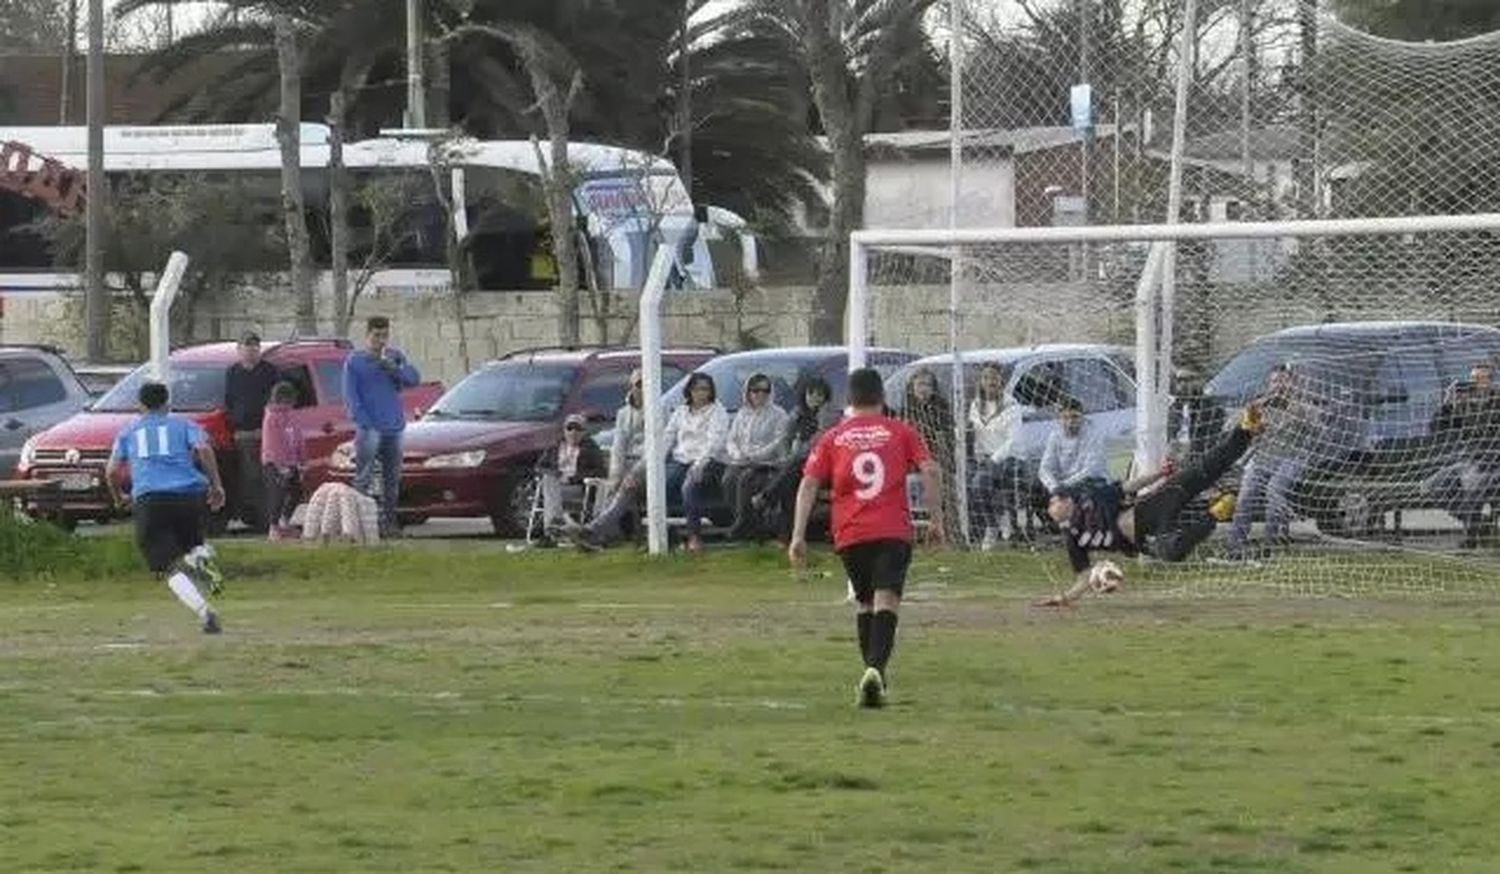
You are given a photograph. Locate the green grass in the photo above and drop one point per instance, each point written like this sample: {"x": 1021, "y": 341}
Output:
{"x": 448, "y": 708}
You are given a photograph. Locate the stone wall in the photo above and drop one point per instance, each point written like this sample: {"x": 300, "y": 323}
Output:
{"x": 426, "y": 320}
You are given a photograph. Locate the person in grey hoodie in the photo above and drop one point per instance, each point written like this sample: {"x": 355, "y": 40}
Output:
{"x": 626, "y": 480}
{"x": 756, "y": 446}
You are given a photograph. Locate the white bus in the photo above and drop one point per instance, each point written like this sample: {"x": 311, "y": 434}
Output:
{"x": 628, "y": 203}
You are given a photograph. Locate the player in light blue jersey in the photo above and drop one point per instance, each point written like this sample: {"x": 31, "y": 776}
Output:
{"x": 174, "y": 482}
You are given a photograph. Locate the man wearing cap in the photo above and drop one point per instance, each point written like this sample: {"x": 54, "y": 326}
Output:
{"x": 247, "y": 389}
{"x": 577, "y": 458}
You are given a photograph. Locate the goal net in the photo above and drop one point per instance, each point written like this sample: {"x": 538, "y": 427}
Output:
{"x": 1380, "y": 468}
{"x": 1367, "y": 344}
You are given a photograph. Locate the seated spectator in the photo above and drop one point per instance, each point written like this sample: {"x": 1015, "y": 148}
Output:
{"x": 576, "y": 458}
{"x": 999, "y": 483}
{"x": 283, "y": 459}
{"x": 1075, "y": 454}
{"x": 695, "y": 436}
{"x": 1293, "y": 426}
{"x": 755, "y": 447}
{"x": 1468, "y": 424}
{"x": 813, "y": 416}
{"x": 625, "y": 483}
{"x": 927, "y": 410}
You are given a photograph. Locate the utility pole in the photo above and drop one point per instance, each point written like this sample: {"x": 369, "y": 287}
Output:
{"x": 95, "y": 299}
{"x": 69, "y": 52}
{"x": 416, "y": 98}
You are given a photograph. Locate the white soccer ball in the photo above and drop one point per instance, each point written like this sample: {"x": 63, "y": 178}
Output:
{"x": 1106, "y": 576}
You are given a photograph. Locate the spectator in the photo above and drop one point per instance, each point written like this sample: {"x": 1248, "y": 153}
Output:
{"x": 1468, "y": 424}
{"x": 626, "y": 479}
{"x": 999, "y": 484}
{"x": 928, "y": 411}
{"x": 1075, "y": 452}
{"x": 814, "y": 415}
{"x": 695, "y": 438}
{"x": 1292, "y": 423}
{"x": 283, "y": 457}
{"x": 373, "y": 379}
{"x": 247, "y": 388}
{"x": 576, "y": 458}
{"x": 755, "y": 447}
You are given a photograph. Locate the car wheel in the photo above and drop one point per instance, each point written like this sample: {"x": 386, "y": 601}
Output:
{"x": 512, "y": 513}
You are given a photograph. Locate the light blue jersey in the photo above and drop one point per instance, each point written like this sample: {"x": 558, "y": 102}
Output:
{"x": 159, "y": 449}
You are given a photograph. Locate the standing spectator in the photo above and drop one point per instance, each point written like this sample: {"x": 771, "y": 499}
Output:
{"x": 695, "y": 438}
{"x": 999, "y": 484}
{"x": 755, "y": 447}
{"x": 576, "y": 458}
{"x": 1468, "y": 425}
{"x": 247, "y": 388}
{"x": 373, "y": 379}
{"x": 813, "y": 416}
{"x": 283, "y": 456}
{"x": 1075, "y": 451}
{"x": 626, "y": 479}
{"x": 1293, "y": 424}
{"x": 929, "y": 412}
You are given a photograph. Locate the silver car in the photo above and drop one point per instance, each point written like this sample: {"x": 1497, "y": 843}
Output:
{"x": 38, "y": 389}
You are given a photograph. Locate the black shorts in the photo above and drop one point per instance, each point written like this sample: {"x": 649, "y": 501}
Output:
{"x": 167, "y": 527}
{"x": 879, "y": 564}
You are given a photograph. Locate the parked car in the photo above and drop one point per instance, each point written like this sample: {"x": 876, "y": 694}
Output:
{"x": 786, "y": 367}
{"x": 1101, "y": 377}
{"x": 1385, "y": 381}
{"x": 38, "y": 389}
{"x": 475, "y": 452}
{"x": 74, "y": 451}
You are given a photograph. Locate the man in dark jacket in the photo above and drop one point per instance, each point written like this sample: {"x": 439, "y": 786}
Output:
{"x": 247, "y": 389}
{"x": 576, "y": 459}
{"x": 1468, "y": 426}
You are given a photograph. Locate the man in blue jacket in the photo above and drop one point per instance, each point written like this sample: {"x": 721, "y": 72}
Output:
{"x": 373, "y": 379}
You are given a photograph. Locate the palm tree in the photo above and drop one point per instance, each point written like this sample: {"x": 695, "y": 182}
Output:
{"x": 851, "y": 50}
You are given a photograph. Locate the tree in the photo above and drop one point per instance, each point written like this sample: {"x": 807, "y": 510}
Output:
{"x": 294, "y": 210}
{"x": 851, "y": 51}
{"x": 33, "y": 25}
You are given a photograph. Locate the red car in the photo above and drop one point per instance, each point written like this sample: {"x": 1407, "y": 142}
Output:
{"x": 74, "y": 451}
{"x": 474, "y": 453}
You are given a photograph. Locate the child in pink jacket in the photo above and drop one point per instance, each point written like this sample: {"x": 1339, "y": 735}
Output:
{"x": 283, "y": 456}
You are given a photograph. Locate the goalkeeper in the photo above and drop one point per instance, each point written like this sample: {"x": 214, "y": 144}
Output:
{"x": 1133, "y": 517}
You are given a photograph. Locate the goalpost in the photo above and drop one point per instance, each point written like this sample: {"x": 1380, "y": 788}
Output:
{"x": 1377, "y": 321}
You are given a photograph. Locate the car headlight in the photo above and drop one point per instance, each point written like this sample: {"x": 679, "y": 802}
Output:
{"x": 342, "y": 457}
{"x": 28, "y": 455}
{"x": 472, "y": 458}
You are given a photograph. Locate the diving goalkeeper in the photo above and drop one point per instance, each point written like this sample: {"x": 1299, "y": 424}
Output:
{"x": 1133, "y": 517}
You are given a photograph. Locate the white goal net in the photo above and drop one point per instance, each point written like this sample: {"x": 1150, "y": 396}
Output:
{"x": 1369, "y": 344}
{"x": 1380, "y": 467}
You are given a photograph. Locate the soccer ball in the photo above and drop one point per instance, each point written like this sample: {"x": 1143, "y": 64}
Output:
{"x": 1105, "y": 577}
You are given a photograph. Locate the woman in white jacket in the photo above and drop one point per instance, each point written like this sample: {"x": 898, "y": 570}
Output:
{"x": 756, "y": 447}
{"x": 996, "y": 487}
{"x": 695, "y": 436}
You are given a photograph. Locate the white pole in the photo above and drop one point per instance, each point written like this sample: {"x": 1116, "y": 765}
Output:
{"x": 161, "y": 316}
{"x": 1150, "y": 437}
{"x": 956, "y": 265}
{"x": 857, "y": 318}
{"x": 416, "y": 95}
{"x": 1165, "y": 339}
{"x": 1394, "y": 226}
{"x": 655, "y": 453}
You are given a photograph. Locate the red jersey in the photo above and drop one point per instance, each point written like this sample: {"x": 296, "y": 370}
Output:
{"x": 865, "y": 460}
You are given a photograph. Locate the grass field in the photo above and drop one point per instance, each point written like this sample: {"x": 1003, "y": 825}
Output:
{"x": 451, "y": 709}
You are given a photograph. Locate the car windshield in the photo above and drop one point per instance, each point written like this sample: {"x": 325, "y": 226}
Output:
{"x": 730, "y": 373}
{"x": 194, "y": 387}
{"x": 512, "y": 391}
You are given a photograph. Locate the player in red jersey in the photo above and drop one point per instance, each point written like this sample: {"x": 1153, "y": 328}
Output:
{"x": 864, "y": 460}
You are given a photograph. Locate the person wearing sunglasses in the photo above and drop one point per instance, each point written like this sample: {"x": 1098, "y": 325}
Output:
{"x": 756, "y": 447}
{"x": 577, "y": 458}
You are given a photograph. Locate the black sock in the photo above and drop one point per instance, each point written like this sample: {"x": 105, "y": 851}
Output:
{"x": 882, "y": 638}
{"x": 862, "y": 622}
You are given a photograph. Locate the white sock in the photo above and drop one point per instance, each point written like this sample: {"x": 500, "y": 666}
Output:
{"x": 187, "y": 593}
